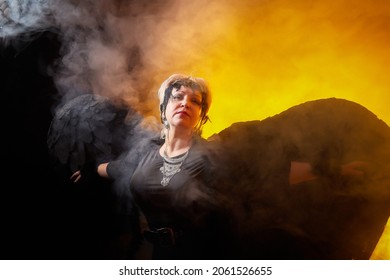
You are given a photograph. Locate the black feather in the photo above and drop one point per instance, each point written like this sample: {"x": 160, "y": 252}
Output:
{"x": 89, "y": 128}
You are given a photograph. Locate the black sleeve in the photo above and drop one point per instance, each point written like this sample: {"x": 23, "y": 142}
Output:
{"x": 115, "y": 167}
{"x": 125, "y": 166}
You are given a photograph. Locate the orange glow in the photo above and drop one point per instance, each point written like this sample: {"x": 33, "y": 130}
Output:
{"x": 282, "y": 54}
{"x": 262, "y": 57}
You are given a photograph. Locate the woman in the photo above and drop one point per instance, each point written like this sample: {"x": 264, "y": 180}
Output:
{"x": 173, "y": 184}
{"x": 179, "y": 187}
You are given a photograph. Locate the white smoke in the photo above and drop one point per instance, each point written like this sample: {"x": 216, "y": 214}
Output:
{"x": 18, "y": 17}
{"x": 117, "y": 48}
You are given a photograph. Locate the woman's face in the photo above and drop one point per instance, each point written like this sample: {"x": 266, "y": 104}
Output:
{"x": 184, "y": 108}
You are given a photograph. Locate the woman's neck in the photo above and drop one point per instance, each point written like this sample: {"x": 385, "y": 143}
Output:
{"x": 176, "y": 144}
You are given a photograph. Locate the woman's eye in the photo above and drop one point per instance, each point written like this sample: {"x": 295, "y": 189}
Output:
{"x": 197, "y": 102}
{"x": 177, "y": 97}
{"x": 180, "y": 97}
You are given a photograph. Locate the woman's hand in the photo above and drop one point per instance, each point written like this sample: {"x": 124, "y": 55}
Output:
{"x": 302, "y": 171}
{"x": 101, "y": 171}
{"x": 356, "y": 169}
{"x": 75, "y": 177}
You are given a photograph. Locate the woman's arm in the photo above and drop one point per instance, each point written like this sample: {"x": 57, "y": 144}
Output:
{"x": 300, "y": 172}
{"x": 101, "y": 171}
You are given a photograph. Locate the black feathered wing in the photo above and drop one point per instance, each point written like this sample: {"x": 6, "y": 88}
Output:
{"x": 90, "y": 129}
{"x": 328, "y": 218}
{"x": 85, "y": 131}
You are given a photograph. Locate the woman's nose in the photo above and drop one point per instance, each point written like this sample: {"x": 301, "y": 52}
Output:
{"x": 184, "y": 102}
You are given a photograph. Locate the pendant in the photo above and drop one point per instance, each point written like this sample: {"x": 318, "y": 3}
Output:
{"x": 168, "y": 172}
{"x": 170, "y": 168}
{"x": 165, "y": 181}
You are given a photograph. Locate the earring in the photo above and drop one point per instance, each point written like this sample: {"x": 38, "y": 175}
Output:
{"x": 165, "y": 129}
{"x": 166, "y": 123}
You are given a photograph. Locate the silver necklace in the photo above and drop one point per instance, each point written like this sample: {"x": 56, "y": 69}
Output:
{"x": 171, "y": 166}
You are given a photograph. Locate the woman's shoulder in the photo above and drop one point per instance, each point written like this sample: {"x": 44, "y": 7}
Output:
{"x": 200, "y": 143}
{"x": 147, "y": 143}
{"x": 207, "y": 149}
{"x": 210, "y": 145}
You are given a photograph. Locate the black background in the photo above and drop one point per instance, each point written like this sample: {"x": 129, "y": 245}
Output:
{"x": 42, "y": 215}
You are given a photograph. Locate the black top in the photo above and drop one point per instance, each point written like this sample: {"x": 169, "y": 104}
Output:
{"x": 189, "y": 204}
{"x": 184, "y": 200}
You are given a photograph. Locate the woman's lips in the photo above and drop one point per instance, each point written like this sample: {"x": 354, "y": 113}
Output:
{"x": 182, "y": 113}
